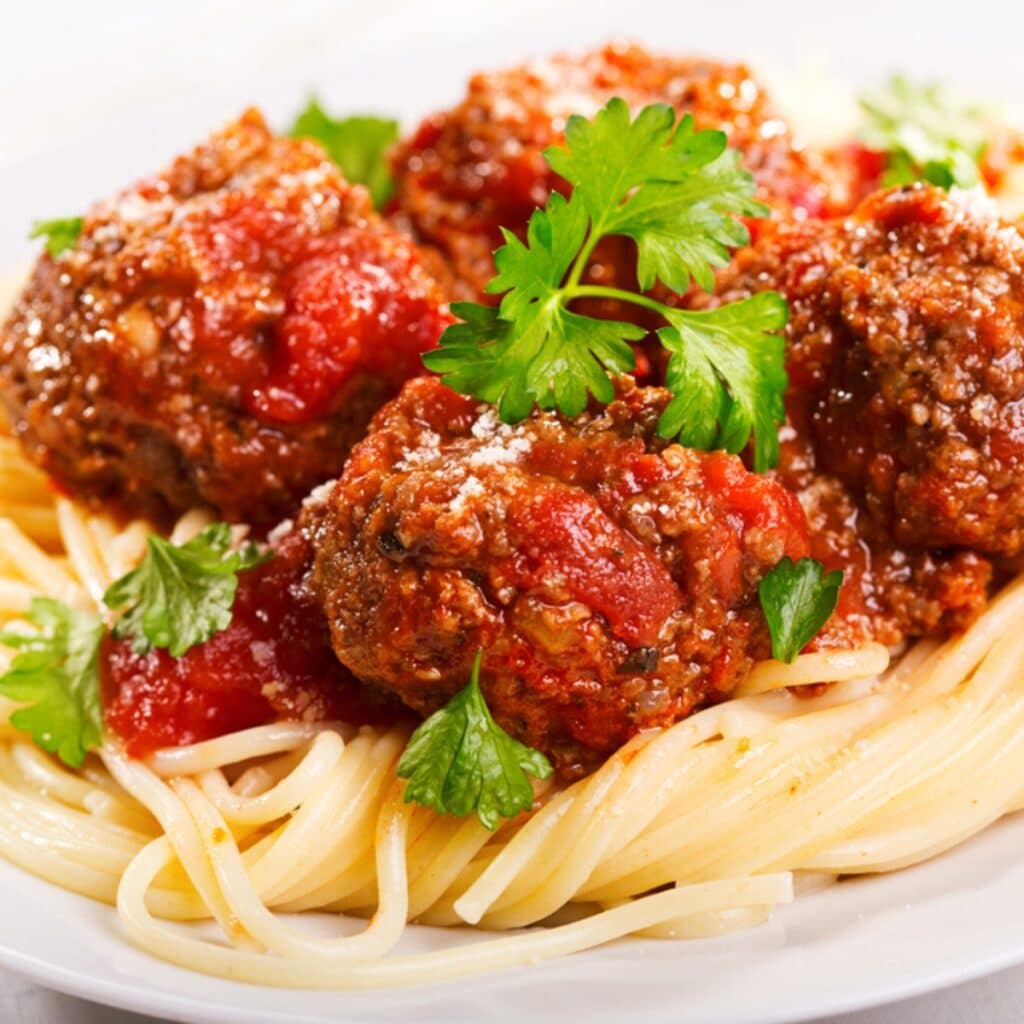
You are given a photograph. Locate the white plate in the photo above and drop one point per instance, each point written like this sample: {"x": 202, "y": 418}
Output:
{"x": 858, "y": 944}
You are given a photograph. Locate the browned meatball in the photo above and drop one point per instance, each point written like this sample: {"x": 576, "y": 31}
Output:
{"x": 610, "y": 577}
{"x": 221, "y": 334}
{"x": 890, "y": 594}
{"x": 905, "y": 433}
{"x": 470, "y": 170}
{"x": 907, "y": 326}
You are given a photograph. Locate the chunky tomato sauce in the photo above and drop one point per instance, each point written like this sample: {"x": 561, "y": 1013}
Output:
{"x": 560, "y": 531}
{"x": 274, "y": 662}
{"x": 323, "y": 307}
{"x": 349, "y": 309}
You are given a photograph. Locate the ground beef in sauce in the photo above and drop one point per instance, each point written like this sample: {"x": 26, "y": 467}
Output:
{"x": 610, "y": 577}
{"x": 222, "y": 333}
{"x": 906, "y": 403}
{"x": 470, "y": 170}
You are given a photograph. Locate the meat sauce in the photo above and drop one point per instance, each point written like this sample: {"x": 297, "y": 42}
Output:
{"x": 273, "y": 662}
{"x": 220, "y": 334}
{"x": 479, "y": 167}
{"x": 611, "y": 578}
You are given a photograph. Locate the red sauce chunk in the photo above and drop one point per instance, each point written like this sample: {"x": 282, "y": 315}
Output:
{"x": 274, "y": 662}
{"x": 560, "y": 532}
{"x": 349, "y": 310}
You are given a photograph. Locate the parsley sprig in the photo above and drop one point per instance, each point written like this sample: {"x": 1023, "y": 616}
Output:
{"x": 926, "y": 134}
{"x": 677, "y": 192}
{"x": 797, "y": 599}
{"x": 180, "y": 595}
{"x": 61, "y": 234}
{"x": 358, "y": 145}
{"x": 55, "y": 675}
{"x": 460, "y": 761}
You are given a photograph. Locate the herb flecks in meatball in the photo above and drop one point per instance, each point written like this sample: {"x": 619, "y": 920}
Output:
{"x": 221, "y": 333}
{"x": 610, "y": 578}
{"x": 480, "y": 166}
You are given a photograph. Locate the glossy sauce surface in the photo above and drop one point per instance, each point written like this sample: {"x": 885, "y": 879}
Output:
{"x": 273, "y": 662}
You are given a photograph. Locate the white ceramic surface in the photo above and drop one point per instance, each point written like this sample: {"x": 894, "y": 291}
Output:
{"x": 859, "y": 944}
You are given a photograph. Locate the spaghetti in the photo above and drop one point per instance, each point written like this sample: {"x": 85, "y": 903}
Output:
{"x": 698, "y": 829}
{"x": 689, "y": 831}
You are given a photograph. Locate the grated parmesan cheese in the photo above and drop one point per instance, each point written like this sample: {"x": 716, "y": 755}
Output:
{"x": 471, "y": 487}
{"x": 280, "y": 531}
{"x": 319, "y": 496}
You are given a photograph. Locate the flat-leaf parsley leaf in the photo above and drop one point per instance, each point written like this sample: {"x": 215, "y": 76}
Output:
{"x": 61, "y": 234}
{"x": 460, "y": 761}
{"x": 358, "y": 145}
{"x": 179, "y": 596}
{"x": 925, "y": 133}
{"x": 797, "y": 599}
{"x": 678, "y": 193}
{"x": 55, "y": 675}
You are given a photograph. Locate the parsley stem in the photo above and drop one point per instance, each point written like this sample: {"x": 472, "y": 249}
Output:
{"x": 593, "y": 291}
{"x": 582, "y": 259}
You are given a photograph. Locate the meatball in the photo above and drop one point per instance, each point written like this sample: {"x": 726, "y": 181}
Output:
{"x": 907, "y": 325}
{"x": 471, "y": 170}
{"x": 611, "y": 578}
{"x": 906, "y": 400}
{"x": 890, "y": 594}
{"x": 222, "y": 333}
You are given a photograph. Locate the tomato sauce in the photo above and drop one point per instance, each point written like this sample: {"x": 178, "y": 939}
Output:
{"x": 322, "y": 309}
{"x": 349, "y": 309}
{"x": 560, "y": 530}
{"x": 273, "y": 662}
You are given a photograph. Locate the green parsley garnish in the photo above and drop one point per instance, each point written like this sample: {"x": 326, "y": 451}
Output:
{"x": 926, "y": 134}
{"x": 797, "y": 599}
{"x": 180, "y": 596}
{"x": 55, "y": 675}
{"x": 60, "y": 234}
{"x": 177, "y": 598}
{"x": 460, "y": 760}
{"x": 677, "y": 192}
{"x": 358, "y": 145}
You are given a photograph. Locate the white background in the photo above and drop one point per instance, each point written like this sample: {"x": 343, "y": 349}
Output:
{"x": 95, "y": 92}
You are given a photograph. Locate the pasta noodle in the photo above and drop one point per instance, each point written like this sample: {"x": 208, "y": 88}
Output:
{"x": 212, "y": 853}
{"x": 698, "y": 829}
